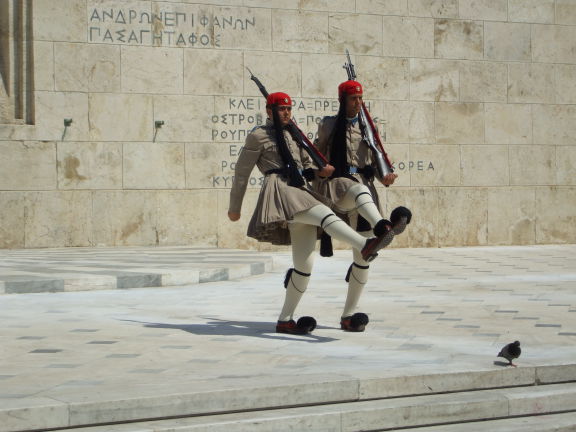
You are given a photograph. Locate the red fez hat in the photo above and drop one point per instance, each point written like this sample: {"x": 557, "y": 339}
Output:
{"x": 350, "y": 88}
{"x": 278, "y": 98}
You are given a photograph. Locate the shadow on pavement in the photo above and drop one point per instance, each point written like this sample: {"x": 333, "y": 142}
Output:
{"x": 217, "y": 327}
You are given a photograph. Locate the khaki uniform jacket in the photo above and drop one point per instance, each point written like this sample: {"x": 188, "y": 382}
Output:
{"x": 278, "y": 202}
{"x": 358, "y": 155}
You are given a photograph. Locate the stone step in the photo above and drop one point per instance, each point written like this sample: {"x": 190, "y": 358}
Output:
{"x": 381, "y": 414}
{"x": 541, "y": 423}
{"x": 320, "y": 397}
{"x": 87, "y": 269}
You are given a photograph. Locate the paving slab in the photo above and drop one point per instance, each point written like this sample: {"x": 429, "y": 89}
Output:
{"x": 87, "y": 269}
{"x": 441, "y": 313}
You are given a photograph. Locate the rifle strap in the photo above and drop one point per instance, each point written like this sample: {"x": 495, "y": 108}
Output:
{"x": 294, "y": 177}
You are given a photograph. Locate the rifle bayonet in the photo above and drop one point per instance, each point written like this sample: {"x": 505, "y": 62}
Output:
{"x": 370, "y": 133}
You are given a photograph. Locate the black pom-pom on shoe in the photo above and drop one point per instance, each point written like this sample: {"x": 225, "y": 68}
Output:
{"x": 355, "y": 323}
{"x": 382, "y": 227}
{"x": 306, "y": 322}
{"x": 400, "y": 217}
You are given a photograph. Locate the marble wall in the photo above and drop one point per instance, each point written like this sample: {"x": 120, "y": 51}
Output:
{"x": 476, "y": 101}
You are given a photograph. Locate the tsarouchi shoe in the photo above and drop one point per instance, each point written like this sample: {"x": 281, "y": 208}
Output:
{"x": 304, "y": 326}
{"x": 385, "y": 235}
{"x": 354, "y": 323}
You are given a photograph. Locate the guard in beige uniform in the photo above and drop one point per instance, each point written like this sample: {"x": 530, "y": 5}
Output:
{"x": 340, "y": 138}
{"x": 288, "y": 211}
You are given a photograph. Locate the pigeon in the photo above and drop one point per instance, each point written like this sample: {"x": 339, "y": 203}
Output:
{"x": 510, "y": 352}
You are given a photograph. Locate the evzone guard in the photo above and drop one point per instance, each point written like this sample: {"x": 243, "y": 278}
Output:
{"x": 289, "y": 211}
{"x": 352, "y": 144}
{"x": 343, "y": 139}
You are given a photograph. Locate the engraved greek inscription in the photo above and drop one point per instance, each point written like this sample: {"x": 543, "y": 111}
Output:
{"x": 419, "y": 165}
{"x": 120, "y": 18}
{"x": 163, "y": 27}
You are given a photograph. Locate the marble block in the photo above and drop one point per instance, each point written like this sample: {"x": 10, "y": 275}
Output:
{"x": 531, "y": 83}
{"x": 554, "y": 43}
{"x": 35, "y": 412}
{"x": 226, "y": 69}
{"x": 458, "y": 39}
{"x": 58, "y": 219}
{"x": 384, "y": 78}
{"x": 152, "y": 70}
{"x": 565, "y": 12}
{"x": 464, "y": 215}
{"x": 211, "y": 165}
{"x": 251, "y": 28}
{"x": 121, "y": 117}
{"x": 409, "y": 122}
{"x": 485, "y": 165}
{"x": 556, "y": 398}
{"x": 17, "y": 159}
{"x": 531, "y": 11}
{"x": 277, "y": 71}
{"x": 187, "y": 218}
{"x": 532, "y": 165}
{"x": 125, "y": 218}
{"x": 86, "y": 67}
{"x": 319, "y": 5}
{"x": 378, "y": 7}
{"x": 407, "y": 36}
{"x": 565, "y": 84}
{"x": 483, "y": 82}
{"x": 233, "y": 234}
{"x": 555, "y": 214}
{"x": 151, "y": 165}
{"x": 423, "y": 203}
{"x": 70, "y": 16}
{"x": 12, "y": 220}
{"x": 89, "y": 165}
{"x": 360, "y": 34}
{"x": 399, "y": 155}
{"x": 459, "y": 123}
{"x": 423, "y": 410}
{"x": 511, "y": 216}
{"x": 489, "y": 10}
{"x": 52, "y": 108}
{"x": 508, "y": 123}
{"x": 186, "y": 118}
{"x": 566, "y": 165}
{"x": 507, "y": 41}
{"x": 556, "y": 373}
{"x": 43, "y": 65}
{"x": 434, "y": 8}
{"x": 440, "y": 165}
{"x": 299, "y": 31}
{"x": 235, "y": 117}
{"x": 322, "y": 73}
{"x": 130, "y": 22}
{"x": 554, "y": 124}
{"x": 434, "y": 80}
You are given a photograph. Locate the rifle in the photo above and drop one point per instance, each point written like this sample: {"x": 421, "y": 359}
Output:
{"x": 301, "y": 139}
{"x": 371, "y": 136}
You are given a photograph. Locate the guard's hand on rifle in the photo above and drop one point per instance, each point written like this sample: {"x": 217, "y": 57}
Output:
{"x": 327, "y": 171}
{"x": 388, "y": 179}
{"x": 233, "y": 216}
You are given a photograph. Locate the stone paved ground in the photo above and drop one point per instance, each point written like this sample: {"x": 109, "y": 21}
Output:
{"x": 81, "y": 269}
{"x": 431, "y": 310}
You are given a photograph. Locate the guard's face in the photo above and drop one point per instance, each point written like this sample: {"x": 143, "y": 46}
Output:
{"x": 353, "y": 105}
{"x": 284, "y": 112}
